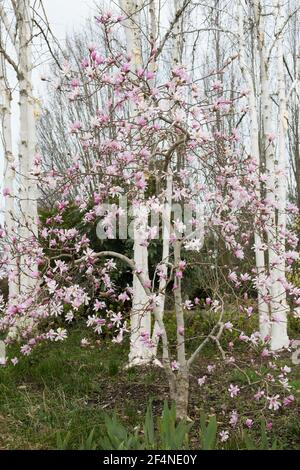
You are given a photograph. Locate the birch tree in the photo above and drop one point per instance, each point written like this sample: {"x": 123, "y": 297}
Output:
{"x": 292, "y": 65}
{"x": 263, "y": 309}
{"x": 28, "y": 142}
{"x": 21, "y": 211}
{"x": 140, "y": 320}
{"x": 279, "y": 337}
{"x": 9, "y": 179}
{"x": 268, "y": 125}
{"x": 176, "y": 58}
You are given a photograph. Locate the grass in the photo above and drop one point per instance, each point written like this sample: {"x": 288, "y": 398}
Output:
{"x": 63, "y": 388}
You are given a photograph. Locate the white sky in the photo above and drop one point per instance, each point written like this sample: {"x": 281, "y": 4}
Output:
{"x": 66, "y": 15}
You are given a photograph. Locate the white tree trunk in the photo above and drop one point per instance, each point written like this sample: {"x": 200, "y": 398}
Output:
{"x": 8, "y": 179}
{"x": 166, "y": 223}
{"x": 140, "y": 318}
{"x": 182, "y": 380}
{"x": 27, "y": 146}
{"x": 263, "y": 309}
{"x": 28, "y": 215}
{"x": 275, "y": 190}
{"x": 279, "y": 336}
{"x": 166, "y": 232}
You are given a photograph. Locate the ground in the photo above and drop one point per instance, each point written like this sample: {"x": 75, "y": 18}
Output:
{"x": 64, "y": 388}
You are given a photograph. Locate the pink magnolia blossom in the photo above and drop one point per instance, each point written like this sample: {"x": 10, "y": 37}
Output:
{"x": 288, "y": 400}
{"x": 233, "y": 390}
{"x": 224, "y": 435}
{"x": 211, "y": 368}
{"x": 234, "y": 417}
{"x": 175, "y": 365}
{"x": 202, "y": 380}
{"x": 249, "y": 423}
{"x": 232, "y": 276}
{"x": 274, "y": 402}
{"x": 228, "y": 326}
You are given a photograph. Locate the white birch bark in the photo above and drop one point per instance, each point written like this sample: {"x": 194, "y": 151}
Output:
{"x": 275, "y": 190}
{"x": 263, "y": 310}
{"x": 279, "y": 336}
{"x": 182, "y": 381}
{"x": 166, "y": 222}
{"x": 140, "y": 317}
{"x": 28, "y": 143}
{"x": 269, "y": 150}
{"x": 166, "y": 232}
{"x": 8, "y": 178}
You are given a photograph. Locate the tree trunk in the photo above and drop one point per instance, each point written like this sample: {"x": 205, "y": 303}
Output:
{"x": 140, "y": 318}
{"x": 274, "y": 192}
{"x": 263, "y": 309}
{"x": 182, "y": 378}
{"x": 179, "y": 393}
{"x": 279, "y": 337}
{"x": 9, "y": 180}
{"x": 166, "y": 227}
{"x": 28, "y": 214}
{"x": 166, "y": 223}
{"x": 27, "y": 151}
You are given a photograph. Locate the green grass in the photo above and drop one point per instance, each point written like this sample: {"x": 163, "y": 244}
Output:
{"x": 63, "y": 388}
{"x": 58, "y": 388}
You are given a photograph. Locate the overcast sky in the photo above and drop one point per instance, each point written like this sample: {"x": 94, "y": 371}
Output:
{"x": 66, "y": 15}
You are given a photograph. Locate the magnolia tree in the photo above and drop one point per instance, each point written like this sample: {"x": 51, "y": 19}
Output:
{"x": 143, "y": 133}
